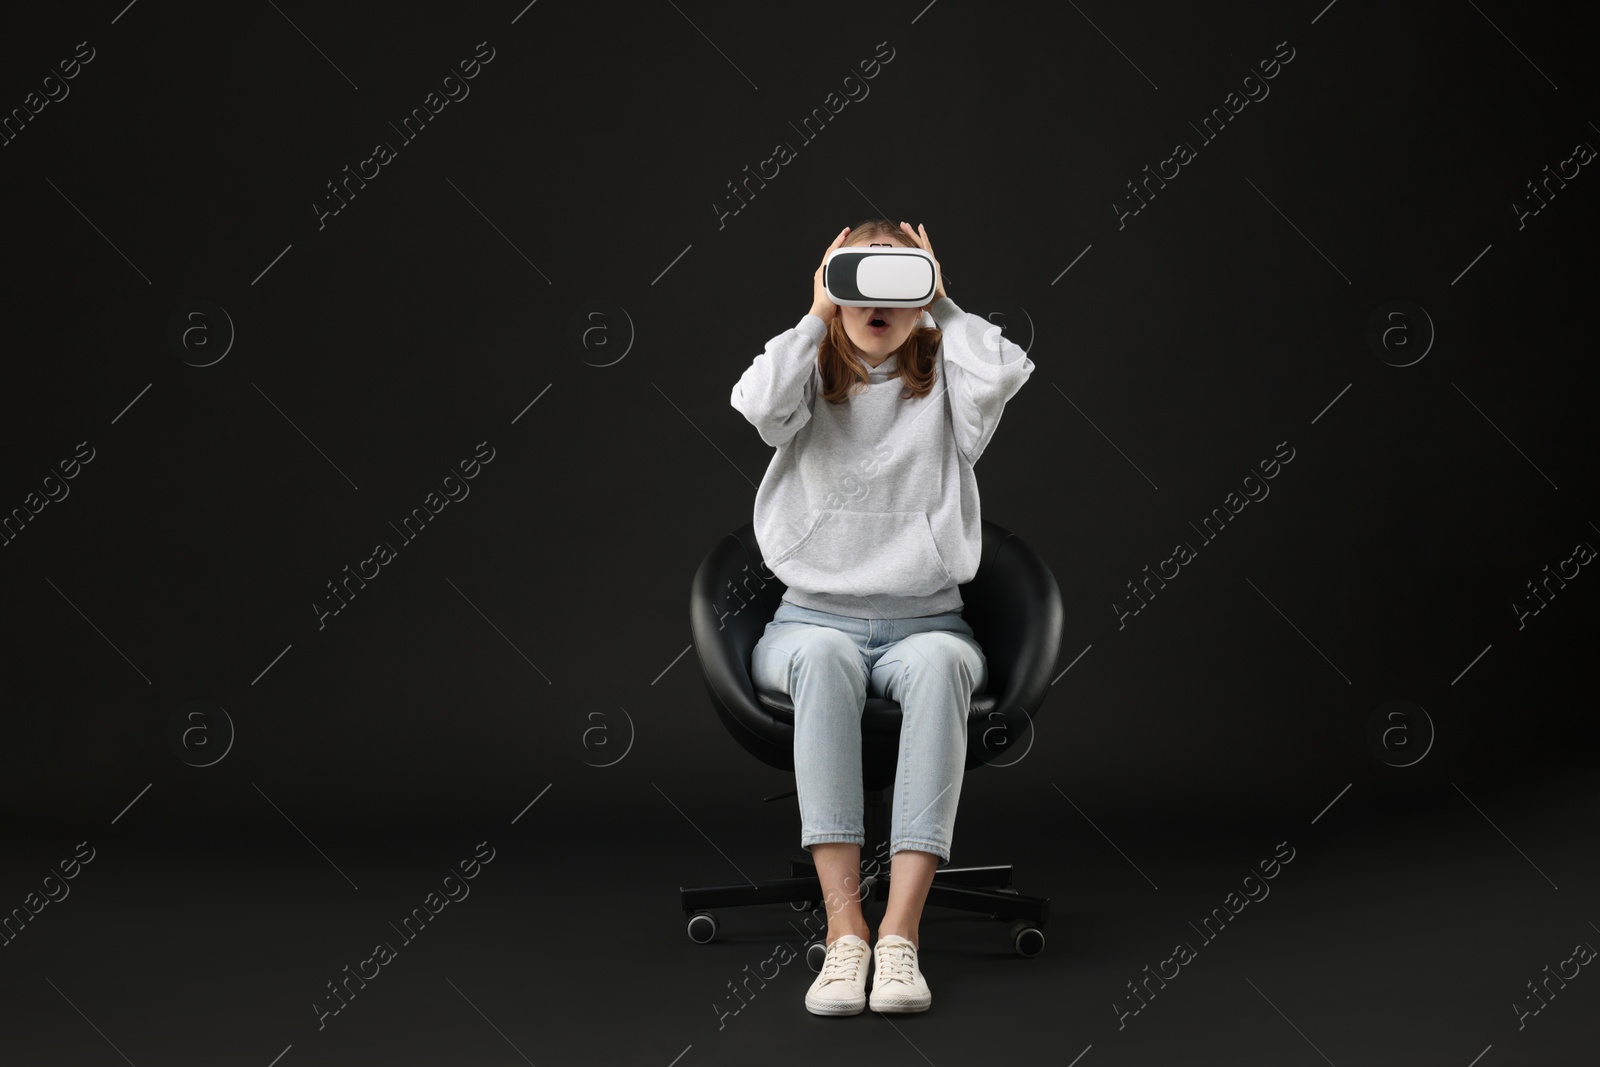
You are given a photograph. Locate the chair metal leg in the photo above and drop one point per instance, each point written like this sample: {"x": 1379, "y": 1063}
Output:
{"x": 979, "y": 889}
{"x": 997, "y": 876}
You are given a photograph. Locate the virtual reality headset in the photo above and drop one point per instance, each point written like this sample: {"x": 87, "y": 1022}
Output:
{"x": 886, "y": 276}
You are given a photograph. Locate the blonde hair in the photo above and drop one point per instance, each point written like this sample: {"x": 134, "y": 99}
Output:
{"x": 841, "y": 371}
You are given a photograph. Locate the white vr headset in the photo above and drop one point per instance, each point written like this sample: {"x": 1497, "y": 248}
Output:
{"x": 882, "y": 276}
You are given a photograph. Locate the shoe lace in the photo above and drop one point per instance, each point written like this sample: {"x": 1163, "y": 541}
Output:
{"x": 843, "y": 962}
{"x": 897, "y": 963}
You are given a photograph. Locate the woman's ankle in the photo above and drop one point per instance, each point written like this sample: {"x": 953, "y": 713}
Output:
{"x": 838, "y": 930}
{"x": 909, "y": 935}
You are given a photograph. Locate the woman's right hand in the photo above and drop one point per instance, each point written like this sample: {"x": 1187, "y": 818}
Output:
{"x": 821, "y": 306}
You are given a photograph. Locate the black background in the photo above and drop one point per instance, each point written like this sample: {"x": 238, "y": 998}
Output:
{"x": 375, "y": 351}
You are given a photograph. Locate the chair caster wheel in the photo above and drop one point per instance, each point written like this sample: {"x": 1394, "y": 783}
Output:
{"x": 1027, "y": 938}
{"x": 802, "y": 905}
{"x": 702, "y": 927}
{"x": 816, "y": 956}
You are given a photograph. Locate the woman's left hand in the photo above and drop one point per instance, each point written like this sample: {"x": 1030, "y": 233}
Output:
{"x": 920, "y": 236}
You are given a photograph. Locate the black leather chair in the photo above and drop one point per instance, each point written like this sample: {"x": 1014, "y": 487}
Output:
{"x": 1014, "y": 608}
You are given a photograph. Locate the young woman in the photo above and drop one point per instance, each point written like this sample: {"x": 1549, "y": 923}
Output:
{"x": 869, "y": 515}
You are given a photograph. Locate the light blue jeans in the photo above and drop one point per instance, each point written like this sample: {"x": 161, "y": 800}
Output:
{"x": 828, "y": 664}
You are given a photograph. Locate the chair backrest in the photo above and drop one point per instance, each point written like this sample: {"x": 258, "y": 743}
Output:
{"x": 1012, "y": 604}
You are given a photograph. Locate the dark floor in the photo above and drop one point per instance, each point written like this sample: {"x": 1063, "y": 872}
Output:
{"x": 1405, "y": 942}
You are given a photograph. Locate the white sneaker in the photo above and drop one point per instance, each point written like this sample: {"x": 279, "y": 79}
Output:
{"x": 897, "y": 982}
{"x": 841, "y": 987}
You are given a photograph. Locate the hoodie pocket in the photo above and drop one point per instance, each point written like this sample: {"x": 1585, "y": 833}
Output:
{"x": 862, "y": 553}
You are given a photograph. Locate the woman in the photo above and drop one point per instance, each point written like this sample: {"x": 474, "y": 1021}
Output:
{"x": 869, "y": 515}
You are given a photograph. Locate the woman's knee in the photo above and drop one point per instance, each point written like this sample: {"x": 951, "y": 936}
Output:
{"x": 822, "y": 650}
{"x": 946, "y": 657}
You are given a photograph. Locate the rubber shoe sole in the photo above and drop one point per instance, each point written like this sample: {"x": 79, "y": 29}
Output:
{"x": 891, "y": 1003}
{"x": 835, "y": 1006}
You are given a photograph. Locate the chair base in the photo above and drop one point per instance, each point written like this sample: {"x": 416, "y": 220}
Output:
{"x": 985, "y": 890}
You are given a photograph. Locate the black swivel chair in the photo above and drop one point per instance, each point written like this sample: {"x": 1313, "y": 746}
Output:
{"x": 1014, "y": 608}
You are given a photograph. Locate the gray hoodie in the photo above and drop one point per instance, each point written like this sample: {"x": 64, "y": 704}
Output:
{"x": 869, "y": 508}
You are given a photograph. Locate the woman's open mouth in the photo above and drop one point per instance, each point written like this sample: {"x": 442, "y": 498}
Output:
{"x": 878, "y": 325}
